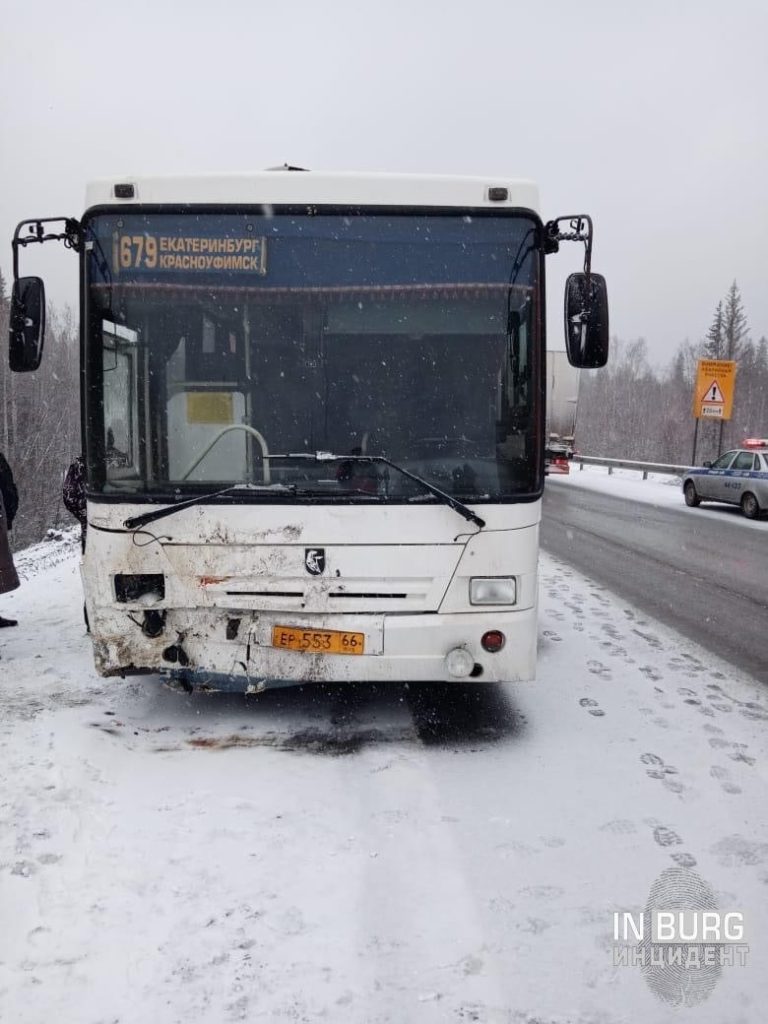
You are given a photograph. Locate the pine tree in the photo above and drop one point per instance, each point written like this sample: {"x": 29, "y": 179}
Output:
{"x": 714, "y": 343}
{"x": 735, "y": 330}
{"x": 761, "y": 356}
{"x": 761, "y": 388}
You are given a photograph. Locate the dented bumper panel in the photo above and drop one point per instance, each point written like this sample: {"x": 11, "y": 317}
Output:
{"x": 407, "y": 648}
{"x": 202, "y": 599}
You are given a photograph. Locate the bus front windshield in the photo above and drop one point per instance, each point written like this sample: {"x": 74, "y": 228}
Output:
{"x": 219, "y": 342}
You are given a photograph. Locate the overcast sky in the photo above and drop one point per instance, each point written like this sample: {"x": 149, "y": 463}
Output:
{"x": 649, "y": 116}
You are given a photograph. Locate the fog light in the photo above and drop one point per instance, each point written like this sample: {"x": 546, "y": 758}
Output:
{"x": 459, "y": 662}
{"x": 493, "y": 590}
{"x": 493, "y": 641}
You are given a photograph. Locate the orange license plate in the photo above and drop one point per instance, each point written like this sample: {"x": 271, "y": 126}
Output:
{"x": 318, "y": 641}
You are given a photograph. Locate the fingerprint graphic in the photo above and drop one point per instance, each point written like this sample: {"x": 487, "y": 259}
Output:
{"x": 677, "y": 983}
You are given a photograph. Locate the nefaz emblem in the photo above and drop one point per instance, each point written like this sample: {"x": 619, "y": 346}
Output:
{"x": 314, "y": 560}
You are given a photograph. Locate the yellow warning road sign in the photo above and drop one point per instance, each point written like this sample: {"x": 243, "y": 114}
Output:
{"x": 713, "y": 393}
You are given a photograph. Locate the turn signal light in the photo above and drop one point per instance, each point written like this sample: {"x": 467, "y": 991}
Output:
{"x": 493, "y": 641}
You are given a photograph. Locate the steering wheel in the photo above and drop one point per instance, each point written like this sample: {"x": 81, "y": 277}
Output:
{"x": 266, "y": 477}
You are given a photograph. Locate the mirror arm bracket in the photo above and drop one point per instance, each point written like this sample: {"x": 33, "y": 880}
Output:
{"x": 579, "y": 229}
{"x": 30, "y": 232}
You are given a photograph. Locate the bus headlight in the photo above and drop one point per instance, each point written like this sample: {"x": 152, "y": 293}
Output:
{"x": 493, "y": 590}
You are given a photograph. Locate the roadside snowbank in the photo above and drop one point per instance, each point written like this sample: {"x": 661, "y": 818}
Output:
{"x": 658, "y": 489}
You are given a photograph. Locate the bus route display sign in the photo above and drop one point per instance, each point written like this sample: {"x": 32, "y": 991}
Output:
{"x": 147, "y": 251}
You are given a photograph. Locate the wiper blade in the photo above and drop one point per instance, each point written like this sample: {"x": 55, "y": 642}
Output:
{"x": 451, "y": 502}
{"x": 447, "y": 499}
{"x": 150, "y": 517}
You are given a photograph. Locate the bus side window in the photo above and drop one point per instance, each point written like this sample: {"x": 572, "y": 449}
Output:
{"x": 120, "y": 352}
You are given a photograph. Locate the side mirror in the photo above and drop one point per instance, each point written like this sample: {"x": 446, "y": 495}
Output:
{"x": 586, "y": 321}
{"x": 27, "y": 324}
{"x": 707, "y": 464}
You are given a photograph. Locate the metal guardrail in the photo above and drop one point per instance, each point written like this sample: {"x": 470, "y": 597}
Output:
{"x": 642, "y": 467}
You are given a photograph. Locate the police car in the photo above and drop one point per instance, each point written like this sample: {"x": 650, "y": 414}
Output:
{"x": 740, "y": 477}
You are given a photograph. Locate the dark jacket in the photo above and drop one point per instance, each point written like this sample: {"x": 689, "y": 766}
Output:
{"x": 9, "y": 502}
{"x": 73, "y": 490}
{"x": 8, "y": 491}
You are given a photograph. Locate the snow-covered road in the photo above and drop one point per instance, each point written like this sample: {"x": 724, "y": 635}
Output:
{"x": 387, "y": 855}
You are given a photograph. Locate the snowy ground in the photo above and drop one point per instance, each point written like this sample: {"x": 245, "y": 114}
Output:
{"x": 392, "y": 855}
{"x": 658, "y": 489}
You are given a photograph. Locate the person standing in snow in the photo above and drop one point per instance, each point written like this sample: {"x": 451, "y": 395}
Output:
{"x": 9, "y": 502}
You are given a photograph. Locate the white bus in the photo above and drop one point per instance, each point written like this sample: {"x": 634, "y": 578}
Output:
{"x": 313, "y": 412}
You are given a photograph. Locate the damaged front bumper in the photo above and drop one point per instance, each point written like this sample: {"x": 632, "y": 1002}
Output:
{"x": 235, "y": 651}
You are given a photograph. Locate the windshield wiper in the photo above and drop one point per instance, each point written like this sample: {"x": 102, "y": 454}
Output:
{"x": 451, "y": 502}
{"x": 150, "y": 517}
{"x": 324, "y": 492}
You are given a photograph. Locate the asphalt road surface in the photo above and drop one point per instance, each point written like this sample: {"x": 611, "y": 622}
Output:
{"x": 704, "y": 575}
